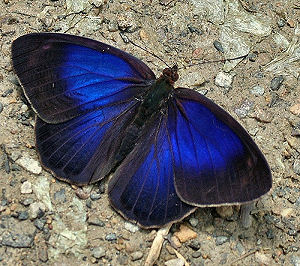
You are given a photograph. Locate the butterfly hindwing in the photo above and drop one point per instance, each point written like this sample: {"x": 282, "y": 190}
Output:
{"x": 142, "y": 189}
{"x": 216, "y": 161}
{"x": 82, "y": 150}
{"x": 65, "y": 76}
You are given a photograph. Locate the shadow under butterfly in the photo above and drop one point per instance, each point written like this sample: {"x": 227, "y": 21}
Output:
{"x": 100, "y": 109}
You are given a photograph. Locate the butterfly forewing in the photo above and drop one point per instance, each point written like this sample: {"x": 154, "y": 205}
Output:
{"x": 65, "y": 76}
{"x": 85, "y": 95}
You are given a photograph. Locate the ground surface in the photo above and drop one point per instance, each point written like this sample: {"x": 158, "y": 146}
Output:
{"x": 43, "y": 221}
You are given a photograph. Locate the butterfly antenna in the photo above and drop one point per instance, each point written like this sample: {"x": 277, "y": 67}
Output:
{"x": 153, "y": 54}
{"x": 217, "y": 61}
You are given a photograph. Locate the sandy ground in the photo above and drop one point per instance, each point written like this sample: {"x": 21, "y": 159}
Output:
{"x": 43, "y": 221}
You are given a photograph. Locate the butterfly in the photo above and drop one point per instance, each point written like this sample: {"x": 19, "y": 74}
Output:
{"x": 99, "y": 109}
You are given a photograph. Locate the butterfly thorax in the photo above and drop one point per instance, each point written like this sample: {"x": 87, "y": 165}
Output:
{"x": 152, "y": 104}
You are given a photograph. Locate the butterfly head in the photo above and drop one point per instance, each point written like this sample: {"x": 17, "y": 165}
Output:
{"x": 170, "y": 74}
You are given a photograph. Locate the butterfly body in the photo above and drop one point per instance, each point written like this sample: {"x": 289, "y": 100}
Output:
{"x": 99, "y": 108}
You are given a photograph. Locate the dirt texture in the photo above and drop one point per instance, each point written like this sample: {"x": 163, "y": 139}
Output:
{"x": 45, "y": 221}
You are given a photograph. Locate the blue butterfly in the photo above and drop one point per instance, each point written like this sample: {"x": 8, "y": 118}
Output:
{"x": 100, "y": 109}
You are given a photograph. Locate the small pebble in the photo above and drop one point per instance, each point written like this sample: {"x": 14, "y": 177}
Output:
{"x": 225, "y": 211}
{"x": 27, "y": 202}
{"x": 88, "y": 203}
{"x": 80, "y": 193}
{"x": 196, "y": 254}
{"x": 131, "y": 227}
{"x": 243, "y": 110}
{"x": 281, "y": 23}
{"x": 270, "y": 234}
{"x": 291, "y": 23}
{"x": 223, "y": 80}
{"x": 257, "y": 90}
{"x": 112, "y": 26}
{"x": 193, "y": 29}
{"x": 7, "y": 92}
{"x": 35, "y": 209}
{"x": 4, "y": 202}
{"x": 40, "y": 223}
{"x": 218, "y": 46}
{"x": 276, "y": 83}
{"x": 136, "y": 255}
{"x": 295, "y": 109}
{"x": 30, "y": 165}
{"x": 26, "y": 188}
{"x": 175, "y": 262}
{"x": 193, "y": 222}
{"x": 185, "y": 233}
{"x": 43, "y": 254}
{"x": 60, "y": 195}
{"x": 95, "y": 196}
{"x": 23, "y": 215}
{"x": 194, "y": 244}
{"x": 220, "y": 240}
{"x": 95, "y": 221}
{"x": 252, "y": 57}
{"x": 98, "y": 252}
{"x": 296, "y": 166}
{"x": 111, "y": 237}
{"x": 262, "y": 259}
{"x": 295, "y": 260}
{"x": 101, "y": 188}
{"x": 240, "y": 248}
{"x": 292, "y": 232}
{"x": 1, "y": 107}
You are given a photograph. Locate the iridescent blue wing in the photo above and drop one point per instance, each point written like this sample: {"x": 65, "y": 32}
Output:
{"x": 82, "y": 150}
{"x": 142, "y": 189}
{"x": 196, "y": 154}
{"x": 65, "y": 76}
{"x": 216, "y": 161}
{"x": 85, "y": 94}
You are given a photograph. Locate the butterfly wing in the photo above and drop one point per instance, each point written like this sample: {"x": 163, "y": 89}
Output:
{"x": 85, "y": 95}
{"x": 195, "y": 154}
{"x": 65, "y": 76}
{"x": 216, "y": 160}
{"x": 142, "y": 189}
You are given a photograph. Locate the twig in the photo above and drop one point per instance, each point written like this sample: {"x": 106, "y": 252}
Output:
{"x": 157, "y": 245}
{"x": 180, "y": 257}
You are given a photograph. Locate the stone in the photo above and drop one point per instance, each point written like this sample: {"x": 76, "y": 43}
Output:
{"x": 136, "y": 255}
{"x": 225, "y": 211}
{"x": 295, "y": 109}
{"x": 26, "y": 188}
{"x": 60, "y": 195}
{"x": 35, "y": 208}
{"x": 224, "y": 80}
{"x": 23, "y": 215}
{"x": 262, "y": 259}
{"x": 220, "y": 240}
{"x": 257, "y": 90}
{"x": 185, "y": 233}
{"x": 131, "y": 227}
{"x": 276, "y": 83}
{"x": 243, "y": 110}
{"x": 193, "y": 221}
{"x": 296, "y": 166}
{"x": 98, "y": 252}
{"x": 17, "y": 240}
{"x": 111, "y": 237}
{"x": 175, "y": 262}
{"x": 30, "y": 165}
